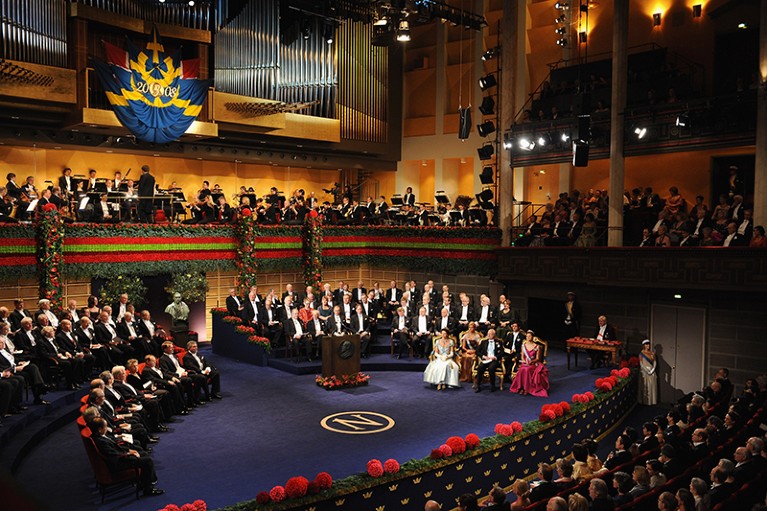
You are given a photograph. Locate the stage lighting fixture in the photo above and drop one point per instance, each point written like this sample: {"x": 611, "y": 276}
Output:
{"x": 683, "y": 120}
{"x": 562, "y": 42}
{"x": 541, "y": 141}
{"x": 526, "y": 144}
{"x": 583, "y": 37}
{"x": 485, "y": 196}
{"x": 487, "y": 81}
{"x": 656, "y": 19}
{"x": 560, "y": 5}
{"x": 742, "y": 26}
{"x": 491, "y": 53}
{"x": 507, "y": 141}
{"x": 485, "y": 128}
{"x": 488, "y": 106}
{"x": 640, "y": 132}
{"x": 560, "y": 30}
{"x": 561, "y": 19}
{"x": 486, "y": 177}
{"x": 329, "y": 33}
{"x": 403, "y": 31}
{"x": 697, "y": 10}
{"x": 191, "y": 3}
{"x": 564, "y": 137}
{"x": 306, "y": 29}
{"x": 162, "y": 1}
{"x": 486, "y": 152}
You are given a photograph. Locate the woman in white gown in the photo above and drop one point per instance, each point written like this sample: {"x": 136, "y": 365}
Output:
{"x": 443, "y": 370}
{"x": 648, "y": 385}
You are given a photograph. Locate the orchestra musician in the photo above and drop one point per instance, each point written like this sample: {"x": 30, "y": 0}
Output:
{"x": 66, "y": 182}
{"x": 129, "y": 201}
{"x": 91, "y": 183}
{"x": 408, "y": 199}
{"x": 7, "y": 206}
{"x": 223, "y": 211}
{"x": 102, "y": 213}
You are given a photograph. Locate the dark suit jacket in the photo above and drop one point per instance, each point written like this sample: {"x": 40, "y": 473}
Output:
{"x": 619, "y": 458}
{"x": 22, "y": 342}
{"x": 609, "y": 333}
{"x": 248, "y": 313}
{"x": 231, "y": 306}
{"x": 124, "y": 333}
{"x": 452, "y": 324}
{"x": 482, "y": 349}
{"x": 66, "y": 344}
{"x": 190, "y": 364}
{"x": 331, "y": 325}
{"x": 142, "y": 330}
{"x": 355, "y": 323}
{"x": 603, "y": 504}
{"x": 544, "y": 490}
{"x": 649, "y": 444}
{"x": 167, "y": 366}
{"x": 45, "y": 350}
{"x": 388, "y": 295}
{"x": 491, "y": 313}
{"x": 16, "y": 318}
{"x": 103, "y": 336}
{"x": 146, "y": 185}
{"x": 409, "y": 199}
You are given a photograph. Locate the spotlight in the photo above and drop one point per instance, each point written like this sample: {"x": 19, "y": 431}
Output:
{"x": 488, "y": 106}
{"x": 640, "y": 132}
{"x": 486, "y": 152}
{"x": 403, "y": 32}
{"x": 583, "y": 37}
{"x": 526, "y": 144}
{"x": 306, "y": 29}
{"x": 329, "y": 33}
{"x": 541, "y": 141}
{"x": 485, "y": 128}
{"x": 191, "y": 3}
{"x": 485, "y": 196}
{"x": 683, "y": 120}
{"x": 560, "y": 19}
{"x": 656, "y": 19}
{"x": 487, "y": 81}
{"x": 560, "y": 30}
{"x": 491, "y": 53}
{"x": 742, "y": 26}
{"x": 564, "y": 137}
{"x": 379, "y": 20}
{"x": 697, "y": 10}
{"x": 507, "y": 141}
{"x": 486, "y": 177}
{"x": 562, "y": 42}
{"x": 162, "y": 1}
{"x": 560, "y": 5}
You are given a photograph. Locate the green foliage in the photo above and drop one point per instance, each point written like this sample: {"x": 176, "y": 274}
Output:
{"x": 192, "y": 286}
{"x": 131, "y": 284}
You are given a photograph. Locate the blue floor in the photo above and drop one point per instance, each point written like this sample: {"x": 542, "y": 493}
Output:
{"x": 267, "y": 429}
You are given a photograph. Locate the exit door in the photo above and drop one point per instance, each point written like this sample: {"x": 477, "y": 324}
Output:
{"x": 678, "y": 335}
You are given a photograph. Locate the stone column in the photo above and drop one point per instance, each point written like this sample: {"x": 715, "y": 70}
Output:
{"x": 617, "y": 107}
{"x": 760, "y": 166}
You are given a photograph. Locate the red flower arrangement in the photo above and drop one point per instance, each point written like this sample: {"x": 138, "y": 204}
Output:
{"x": 324, "y": 481}
{"x": 311, "y": 239}
{"x": 565, "y": 406}
{"x": 242, "y": 329}
{"x": 232, "y": 319}
{"x": 277, "y": 494}
{"x": 457, "y": 444}
{"x": 263, "y": 498}
{"x": 50, "y": 254}
{"x": 219, "y": 310}
{"x": 261, "y": 341}
{"x": 345, "y": 381}
{"x": 503, "y": 429}
{"x": 445, "y": 450}
{"x": 313, "y": 488}
{"x": 436, "y": 454}
{"x": 547, "y": 415}
{"x": 375, "y": 468}
{"x": 170, "y": 507}
{"x": 296, "y": 487}
{"x": 516, "y": 427}
{"x": 472, "y": 441}
{"x": 391, "y": 466}
{"x": 197, "y": 505}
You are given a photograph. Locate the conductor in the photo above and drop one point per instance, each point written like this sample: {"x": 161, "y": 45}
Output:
{"x": 146, "y": 194}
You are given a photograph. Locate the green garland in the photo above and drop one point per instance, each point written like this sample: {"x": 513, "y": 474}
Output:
{"x": 192, "y": 286}
{"x": 50, "y": 231}
{"x": 130, "y": 284}
{"x": 146, "y": 268}
{"x": 246, "y": 262}
{"x": 312, "y": 250}
{"x": 149, "y": 230}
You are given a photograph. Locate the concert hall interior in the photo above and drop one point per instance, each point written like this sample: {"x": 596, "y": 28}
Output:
{"x": 237, "y": 237}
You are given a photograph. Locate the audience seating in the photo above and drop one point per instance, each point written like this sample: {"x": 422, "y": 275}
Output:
{"x": 106, "y": 480}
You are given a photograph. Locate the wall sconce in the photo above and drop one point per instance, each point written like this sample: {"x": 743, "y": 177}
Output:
{"x": 697, "y": 10}
{"x": 583, "y": 37}
{"x": 656, "y": 19}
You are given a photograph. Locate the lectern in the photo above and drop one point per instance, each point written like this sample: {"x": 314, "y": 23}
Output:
{"x": 340, "y": 355}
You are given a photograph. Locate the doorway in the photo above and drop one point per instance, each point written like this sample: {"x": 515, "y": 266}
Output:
{"x": 678, "y": 336}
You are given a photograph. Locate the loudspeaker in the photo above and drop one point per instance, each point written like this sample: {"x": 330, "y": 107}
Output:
{"x": 464, "y": 124}
{"x": 580, "y": 155}
{"x": 584, "y": 128}
{"x": 486, "y": 177}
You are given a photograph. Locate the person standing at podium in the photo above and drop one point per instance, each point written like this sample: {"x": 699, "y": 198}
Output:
{"x": 335, "y": 325}
{"x": 360, "y": 325}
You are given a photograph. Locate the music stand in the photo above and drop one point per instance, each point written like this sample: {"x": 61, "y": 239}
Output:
{"x": 442, "y": 198}
{"x": 396, "y": 200}
{"x": 216, "y": 196}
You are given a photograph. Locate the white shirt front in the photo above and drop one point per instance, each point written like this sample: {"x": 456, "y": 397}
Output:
{"x": 483, "y": 316}
{"x": 422, "y": 325}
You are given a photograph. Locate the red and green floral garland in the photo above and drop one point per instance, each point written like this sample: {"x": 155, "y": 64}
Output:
{"x": 50, "y": 231}
{"x": 246, "y": 263}
{"x": 197, "y": 505}
{"x": 311, "y": 239}
{"x": 341, "y": 382}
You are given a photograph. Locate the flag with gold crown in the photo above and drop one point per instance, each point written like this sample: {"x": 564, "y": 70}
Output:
{"x": 155, "y": 95}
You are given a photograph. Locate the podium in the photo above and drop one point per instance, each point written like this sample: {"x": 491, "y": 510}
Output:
{"x": 340, "y": 355}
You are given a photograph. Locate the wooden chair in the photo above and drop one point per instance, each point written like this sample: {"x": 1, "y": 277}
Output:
{"x": 105, "y": 478}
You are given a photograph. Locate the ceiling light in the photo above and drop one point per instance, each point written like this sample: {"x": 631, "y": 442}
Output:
{"x": 191, "y": 3}
{"x": 329, "y": 33}
{"x": 560, "y": 19}
{"x": 541, "y": 141}
{"x": 560, "y": 5}
{"x": 656, "y": 19}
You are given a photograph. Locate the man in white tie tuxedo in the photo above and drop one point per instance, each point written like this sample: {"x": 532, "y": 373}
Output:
{"x": 335, "y": 324}
{"x": 296, "y": 335}
{"x": 400, "y": 332}
{"x": 234, "y": 304}
{"x": 360, "y": 325}
{"x": 106, "y": 335}
{"x": 422, "y": 333}
{"x": 316, "y": 328}
{"x": 194, "y": 362}
{"x": 18, "y": 313}
{"x": 45, "y": 309}
{"x": 488, "y": 353}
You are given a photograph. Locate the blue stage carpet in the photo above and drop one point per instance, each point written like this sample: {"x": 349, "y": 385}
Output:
{"x": 267, "y": 429}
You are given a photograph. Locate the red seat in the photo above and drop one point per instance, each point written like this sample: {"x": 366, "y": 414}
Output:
{"x": 141, "y": 367}
{"x": 81, "y": 422}
{"x": 105, "y": 478}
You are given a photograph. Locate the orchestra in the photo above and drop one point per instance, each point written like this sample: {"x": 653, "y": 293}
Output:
{"x": 95, "y": 199}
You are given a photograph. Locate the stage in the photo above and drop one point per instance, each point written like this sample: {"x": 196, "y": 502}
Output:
{"x": 268, "y": 429}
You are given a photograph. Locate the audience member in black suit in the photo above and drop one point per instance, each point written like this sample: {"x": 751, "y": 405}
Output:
{"x": 700, "y": 448}
{"x": 745, "y": 468}
{"x": 621, "y": 453}
{"x": 565, "y": 472}
{"x": 316, "y": 328}
{"x": 271, "y": 322}
{"x": 622, "y": 483}
{"x": 195, "y": 363}
{"x": 400, "y": 332}
{"x": 544, "y": 488}
{"x": 444, "y": 321}
{"x": 132, "y": 395}
{"x": 422, "y": 333}
{"x": 512, "y": 347}
{"x": 672, "y": 465}
{"x": 600, "y": 498}
{"x": 720, "y": 488}
{"x": 486, "y": 315}
{"x": 360, "y": 325}
{"x": 650, "y": 441}
{"x": 128, "y": 330}
{"x": 68, "y": 343}
{"x": 120, "y": 458}
{"x": 133, "y": 378}
{"x": 17, "y": 314}
{"x": 392, "y": 298}
{"x": 497, "y": 500}
{"x": 296, "y": 336}
{"x": 487, "y": 360}
{"x": 164, "y": 381}
{"x": 234, "y": 304}
{"x": 71, "y": 367}
{"x": 173, "y": 371}
{"x": 86, "y": 336}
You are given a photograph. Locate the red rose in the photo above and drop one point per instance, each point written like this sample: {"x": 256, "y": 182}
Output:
{"x": 263, "y": 498}
{"x": 171, "y": 507}
{"x": 436, "y": 454}
{"x": 565, "y": 406}
{"x": 445, "y": 450}
{"x": 277, "y": 494}
{"x": 375, "y": 468}
{"x": 589, "y": 395}
{"x": 598, "y": 382}
{"x": 506, "y": 430}
{"x": 296, "y": 487}
{"x": 187, "y": 507}
{"x": 324, "y": 480}
{"x": 245, "y": 212}
{"x": 391, "y": 466}
{"x": 516, "y": 426}
{"x": 313, "y": 213}
{"x": 456, "y": 443}
{"x": 558, "y": 410}
{"x": 200, "y": 505}
{"x": 472, "y": 441}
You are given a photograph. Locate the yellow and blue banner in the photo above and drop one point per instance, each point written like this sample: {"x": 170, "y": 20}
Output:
{"x": 155, "y": 95}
